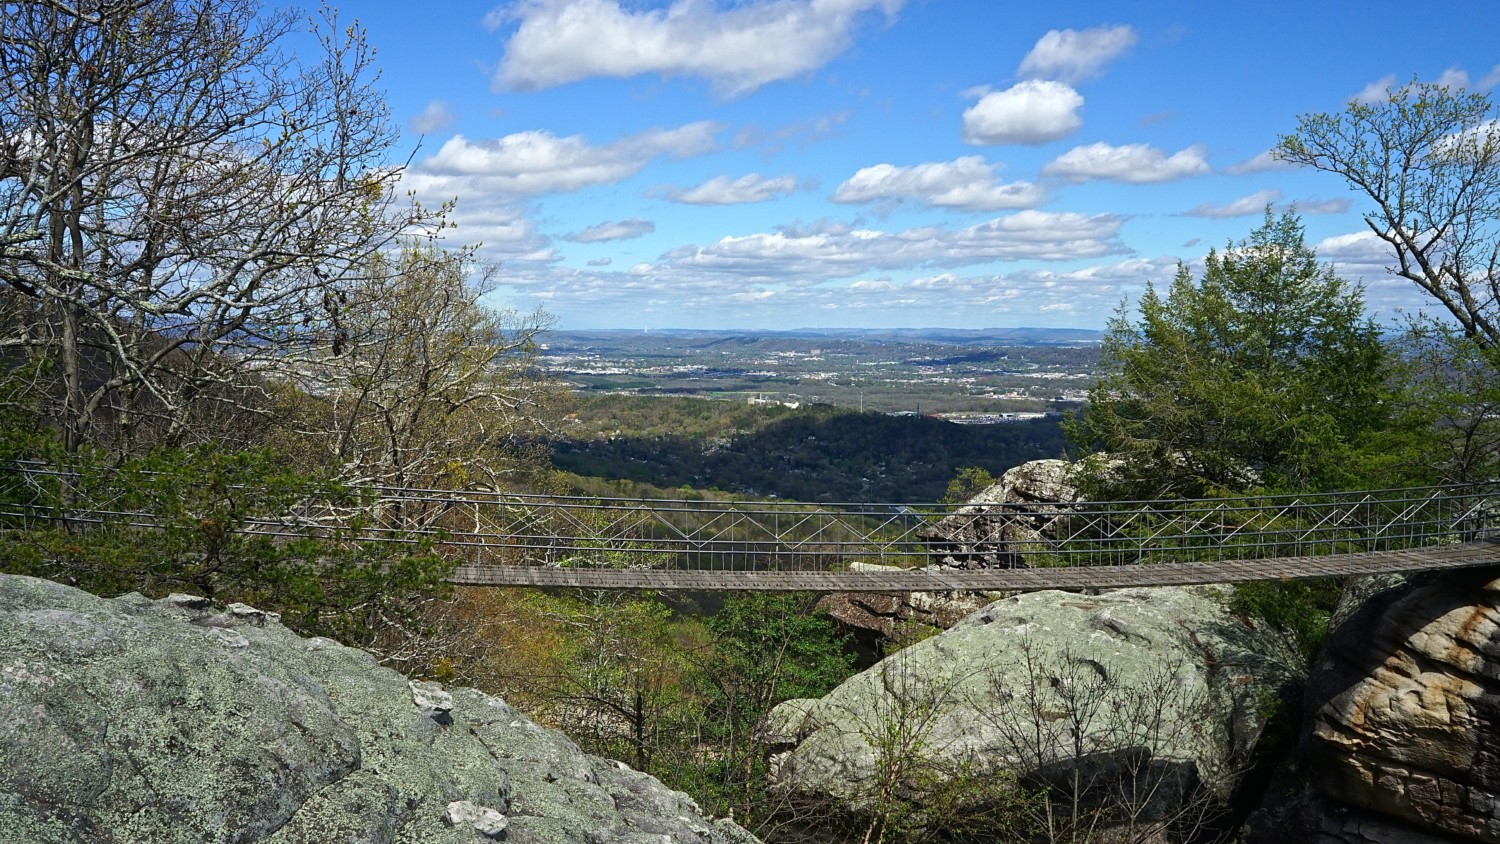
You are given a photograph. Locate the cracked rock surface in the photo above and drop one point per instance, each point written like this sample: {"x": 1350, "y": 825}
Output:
{"x": 983, "y": 689}
{"x": 172, "y": 721}
{"x": 1402, "y": 738}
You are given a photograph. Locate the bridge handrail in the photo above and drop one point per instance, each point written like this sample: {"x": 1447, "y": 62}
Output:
{"x": 496, "y": 527}
{"x": 479, "y": 495}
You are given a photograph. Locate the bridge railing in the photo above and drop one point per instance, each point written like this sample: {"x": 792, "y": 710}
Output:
{"x": 482, "y": 528}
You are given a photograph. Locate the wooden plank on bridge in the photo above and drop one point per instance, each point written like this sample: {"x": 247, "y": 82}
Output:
{"x": 1477, "y": 553}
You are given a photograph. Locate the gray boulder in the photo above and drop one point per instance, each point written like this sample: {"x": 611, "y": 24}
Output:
{"x": 1156, "y": 692}
{"x": 171, "y": 721}
{"x": 994, "y": 528}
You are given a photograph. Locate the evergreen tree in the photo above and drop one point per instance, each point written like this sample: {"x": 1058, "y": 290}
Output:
{"x": 1264, "y": 373}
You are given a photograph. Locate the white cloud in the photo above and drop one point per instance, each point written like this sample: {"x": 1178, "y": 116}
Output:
{"x": 802, "y": 134}
{"x": 738, "y": 48}
{"x": 841, "y": 252}
{"x": 505, "y": 231}
{"x": 1031, "y": 112}
{"x": 722, "y": 190}
{"x": 1072, "y": 55}
{"x": 1363, "y": 257}
{"x": 1260, "y": 163}
{"x": 663, "y": 293}
{"x": 434, "y": 117}
{"x": 1317, "y": 206}
{"x": 1377, "y": 91}
{"x": 966, "y": 183}
{"x": 1133, "y": 163}
{"x": 1255, "y": 203}
{"x": 1356, "y": 254}
{"x": 536, "y": 162}
{"x": 621, "y": 230}
{"x": 601, "y": 262}
{"x": 1454, "y": 77}
{"x": 1490, "y": 79}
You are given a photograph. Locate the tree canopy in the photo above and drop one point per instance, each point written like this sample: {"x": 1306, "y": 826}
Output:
{"x": 1263, "y": 373}
{"x": 181, "y": 196}
{"x": 1428, "y": 160}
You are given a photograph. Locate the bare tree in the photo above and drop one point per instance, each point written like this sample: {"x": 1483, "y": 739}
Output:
{"x": 180, "y": 198}
{"x": 419, "y": 383}
{"x": 1428, "y": 158}
{"x": 1105, "y": 754}
{"x": 896, "y": 767}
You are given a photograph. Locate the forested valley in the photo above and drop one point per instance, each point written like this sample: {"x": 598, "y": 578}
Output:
{"x": 812, "y": 453}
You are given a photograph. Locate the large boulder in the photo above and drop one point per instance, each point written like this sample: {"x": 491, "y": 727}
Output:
{"x": 994, "y": 528}
{"x": 1403, "y": 714}
{"x": 1157, "y": 691}
{"x": 173, "y": 721}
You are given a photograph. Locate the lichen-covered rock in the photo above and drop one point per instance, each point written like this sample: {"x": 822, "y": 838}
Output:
{"x": 170, "y": 721}
{"x": 1161, "y": 683}
{"x": 993, "y": 528}
{"x": 1404, "y": 715}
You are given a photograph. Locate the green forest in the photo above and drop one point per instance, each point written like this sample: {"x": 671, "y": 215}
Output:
{"x": 817, "y": 453}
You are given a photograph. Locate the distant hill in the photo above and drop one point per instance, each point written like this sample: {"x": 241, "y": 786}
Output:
{"x": 1021, "y": 336}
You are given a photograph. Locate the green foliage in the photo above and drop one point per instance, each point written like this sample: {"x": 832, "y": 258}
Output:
{"x": 220, "y": 528}
{"x": 1449, "y": 407}
{"x": 1427, "y": 160}
{"x": 969, "y": 482}
{"x": 614, "y": 679}
{"x": 676, "y": 694}
{"x": 766, "y": 648}
{"x": 809, "y": 454}
{"x": 1300, "y": 609}
{"x": 1266, "y": 372}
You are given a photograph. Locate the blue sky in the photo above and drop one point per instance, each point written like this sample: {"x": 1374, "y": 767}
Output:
{"x": 784, "y": 164}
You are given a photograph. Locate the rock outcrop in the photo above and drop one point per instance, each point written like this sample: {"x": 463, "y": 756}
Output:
{"x": 994, "y": 528}
{"x": 1161, "y": 684}
{"x": 172, "y": 721}
{"x": 880, "y": 616}
{"x": 1402, "y": 735}
{"x": 990, "y": 531}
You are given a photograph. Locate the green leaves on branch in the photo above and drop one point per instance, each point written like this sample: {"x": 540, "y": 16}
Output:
{"x": 1427, "y": 161}
{"x": 231, "y": 526}
{"x": 1263, "y": 373}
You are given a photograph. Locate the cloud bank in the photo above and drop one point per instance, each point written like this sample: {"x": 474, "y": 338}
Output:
{"x": 1131, "y": 163}
{"x": 966, "y": 183}
{"x": 738, "y": 48}
{"x": 723, "y": 190}
{"x": 1070, "y": 55}
{"x": 1031, "y": 112}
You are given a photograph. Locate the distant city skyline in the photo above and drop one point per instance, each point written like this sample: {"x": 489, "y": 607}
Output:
{"x": 778, "y": 164}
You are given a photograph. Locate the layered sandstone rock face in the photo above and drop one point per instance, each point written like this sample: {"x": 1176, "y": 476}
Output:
{"x": 881, "y": 616}
{"x": 1404, "y": 705}
{"x": 130, "y": 720}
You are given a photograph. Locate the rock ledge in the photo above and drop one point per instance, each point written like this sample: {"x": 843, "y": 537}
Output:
{"x": 171, "y": 721}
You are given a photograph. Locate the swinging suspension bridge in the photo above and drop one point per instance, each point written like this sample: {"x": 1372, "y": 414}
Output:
{"x": 514, "y": 539}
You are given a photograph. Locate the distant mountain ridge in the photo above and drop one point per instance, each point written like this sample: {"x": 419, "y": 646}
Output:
{"x": 958, "y": 336}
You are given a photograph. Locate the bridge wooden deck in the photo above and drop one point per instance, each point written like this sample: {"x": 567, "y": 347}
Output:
{"x": 1464, "y": 555}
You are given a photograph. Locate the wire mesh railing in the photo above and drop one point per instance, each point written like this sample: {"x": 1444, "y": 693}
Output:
{"x": 485, "y": 529}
